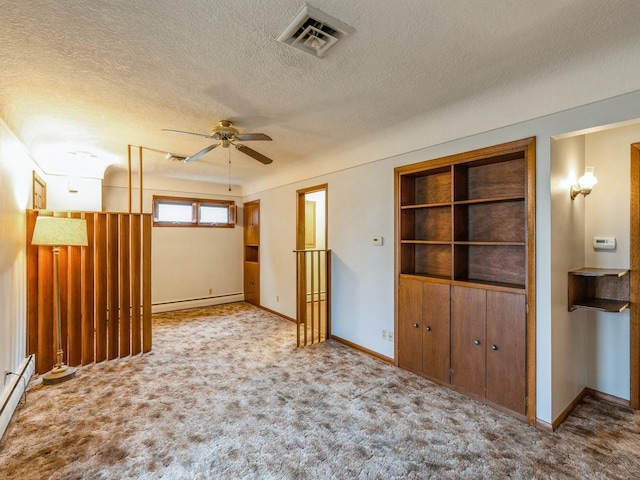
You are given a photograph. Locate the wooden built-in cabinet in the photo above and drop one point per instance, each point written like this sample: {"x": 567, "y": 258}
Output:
{"x": 488, "y": 348}
{"x": 465, "y": 257}
{"x": 252, "y": 252}
{"x": 424, "y": 329}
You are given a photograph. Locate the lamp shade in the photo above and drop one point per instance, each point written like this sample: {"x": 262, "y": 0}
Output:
{"x": 60, "y": 231}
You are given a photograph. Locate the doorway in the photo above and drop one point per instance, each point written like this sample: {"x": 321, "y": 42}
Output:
{"x": 313, "y": 266}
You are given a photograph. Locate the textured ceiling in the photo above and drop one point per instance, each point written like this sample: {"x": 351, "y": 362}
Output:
{"x": 91, "y": 77}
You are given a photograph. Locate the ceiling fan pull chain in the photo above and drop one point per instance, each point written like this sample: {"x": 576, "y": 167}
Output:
{"x": 229, "y": 168}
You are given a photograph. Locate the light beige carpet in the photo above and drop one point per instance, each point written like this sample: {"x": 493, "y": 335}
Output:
{"x": 225, "y": 394}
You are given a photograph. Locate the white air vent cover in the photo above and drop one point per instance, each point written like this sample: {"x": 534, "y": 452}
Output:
{"x": 314, "y": 32}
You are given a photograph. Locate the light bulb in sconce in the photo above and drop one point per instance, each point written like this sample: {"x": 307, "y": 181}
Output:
{"x": 585, "y": 183}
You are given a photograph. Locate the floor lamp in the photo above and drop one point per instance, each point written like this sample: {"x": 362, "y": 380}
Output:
{"x": 58, "y": 232}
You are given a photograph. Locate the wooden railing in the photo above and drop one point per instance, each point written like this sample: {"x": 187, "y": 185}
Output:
{"x": 313, "y": 298}
{"x": 105, "y": 291}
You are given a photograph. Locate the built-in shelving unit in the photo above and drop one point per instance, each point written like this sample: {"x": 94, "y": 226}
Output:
{"x": 466, "y": 222}
{"x": 252, "y": 252}
{"x": 465, "y": 251}
{"x": 600, "y": 289}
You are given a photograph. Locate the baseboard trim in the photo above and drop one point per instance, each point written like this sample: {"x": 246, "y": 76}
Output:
{"x": 362, "y": 349}
{"x": 544, "y": 426}
{"x": 13, "y": 392}
{"x": 609, "y": 398}
{"x": 567, "y": 411}
{"x": 196, "y": 303}
{"x": 579, "y": 398}
{"x": 278, "y": 314}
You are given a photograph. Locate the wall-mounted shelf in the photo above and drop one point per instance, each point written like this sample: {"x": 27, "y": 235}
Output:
{"x": 600, "y": 289}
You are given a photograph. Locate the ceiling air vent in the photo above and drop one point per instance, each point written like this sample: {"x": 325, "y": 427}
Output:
{"x": 314, "y": 32}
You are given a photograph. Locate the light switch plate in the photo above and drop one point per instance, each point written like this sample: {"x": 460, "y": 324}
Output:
{"x": 377, "y": 241}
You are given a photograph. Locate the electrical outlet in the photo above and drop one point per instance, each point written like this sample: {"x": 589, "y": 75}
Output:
{"x": 278, "y": 298}
{"x": 384, "y": 334}
{"x": 210, "y": 291}
{"x": 390, "y": 335}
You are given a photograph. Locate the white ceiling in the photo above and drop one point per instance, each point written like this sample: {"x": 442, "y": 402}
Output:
{"x": 91, "y": 77}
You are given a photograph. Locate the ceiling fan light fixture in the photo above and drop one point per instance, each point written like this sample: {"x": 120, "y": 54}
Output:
{"x": 174, "y": 158}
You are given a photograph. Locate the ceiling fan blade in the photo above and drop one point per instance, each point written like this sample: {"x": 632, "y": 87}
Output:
{"x": 252, "y": 153}
{"x": 246, "y": 137}
{"x": 214, "y": 137}
{"x": 202, "y": 152}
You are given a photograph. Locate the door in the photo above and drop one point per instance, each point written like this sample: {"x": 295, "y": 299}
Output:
{"x": 313, "y": 282}
{"x": 506, "y": 350}
{"x": 468, "y": 319}
{"x": 410, "y": 325}
{"x": 436, "y": 316}
{"x": 252, "y": 283}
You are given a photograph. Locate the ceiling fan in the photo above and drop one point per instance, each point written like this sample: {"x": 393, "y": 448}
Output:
{"x": 227, "y": 135}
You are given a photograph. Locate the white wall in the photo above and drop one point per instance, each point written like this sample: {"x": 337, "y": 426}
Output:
{"x": 87, "y": 198}
{"x": 186, "y": 262}
{"x": 569, "y": 351}
{"x": 361, "y": 205}
{"x": 607, "y": 214}
{"x": 16, "y": 169}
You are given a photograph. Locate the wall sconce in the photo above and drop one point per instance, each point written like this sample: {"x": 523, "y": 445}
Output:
{"x": 585, "y": 184}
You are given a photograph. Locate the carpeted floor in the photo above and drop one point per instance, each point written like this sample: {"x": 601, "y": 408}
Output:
{"x": 225, "y": 394}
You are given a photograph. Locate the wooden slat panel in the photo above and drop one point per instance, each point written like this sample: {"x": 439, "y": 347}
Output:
{"x": 111, "y": 274}
{"x": 62, "y": 298}
{"x": 32, "y": 285}
{"x": 113, "y": 343}
{"x": 101, "y": 287}
{"x": 88, "y": 318}
{"x": 125, "y": 288}
{"x": 136, "y": 334}
{"x": 146, "y": 283}
{"x": 45, "y": 355}
{"x": 74, "y": 303}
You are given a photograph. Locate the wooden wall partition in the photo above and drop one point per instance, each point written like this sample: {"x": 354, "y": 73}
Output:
{"x": 105, "y": 291}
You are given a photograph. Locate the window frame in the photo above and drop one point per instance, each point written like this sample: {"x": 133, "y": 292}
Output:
{"x": 195, "y": 204}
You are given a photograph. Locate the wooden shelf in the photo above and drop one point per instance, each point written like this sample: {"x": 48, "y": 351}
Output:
{"x": 600, "y": 305}
{"x": 490, "y": 200}
{"x": 425, "y": 205}
{"x": 492, "y": 244}
{"x": 599, "y": 289}
{"x": 599, "y": 272}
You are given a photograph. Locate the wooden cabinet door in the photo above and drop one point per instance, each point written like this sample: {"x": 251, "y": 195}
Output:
{"x": 436, "y": 319}
{"x": 251, "y": 223}
{"x": 252, "y": 283}
{"x": 410, "y": 325}
{"x": 506, "y": 381}
{"x": 468, "y": 318}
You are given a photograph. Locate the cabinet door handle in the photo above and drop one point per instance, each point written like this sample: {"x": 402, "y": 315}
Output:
{"x": 428, "y": 328}
{"x": 415, "y": 325}
{"x": 494, "y": 347}
{"x": 477, "y": 342}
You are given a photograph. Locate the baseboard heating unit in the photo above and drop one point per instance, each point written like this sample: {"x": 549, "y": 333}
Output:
{"x": 196, "y": 302}
{"x": 15, "y": 384}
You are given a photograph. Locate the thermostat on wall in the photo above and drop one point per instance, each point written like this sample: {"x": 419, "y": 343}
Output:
{"x": 604, "y": 243}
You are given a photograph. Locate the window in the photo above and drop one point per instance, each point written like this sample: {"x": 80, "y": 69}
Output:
{"x": 193, "y": 212}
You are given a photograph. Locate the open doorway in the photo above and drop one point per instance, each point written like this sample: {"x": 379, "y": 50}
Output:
{"x": 313, "y": 266}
